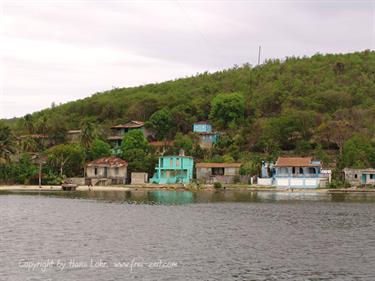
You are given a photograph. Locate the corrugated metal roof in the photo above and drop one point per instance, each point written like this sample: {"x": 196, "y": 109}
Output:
{"x": 131, "y": 124}
{"x": 111, "y": 161}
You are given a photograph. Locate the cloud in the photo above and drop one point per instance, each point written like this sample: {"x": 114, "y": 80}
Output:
{"x": 56, "y": 51}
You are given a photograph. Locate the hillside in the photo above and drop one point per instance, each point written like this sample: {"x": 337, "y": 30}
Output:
{"x": 296, "y": 105}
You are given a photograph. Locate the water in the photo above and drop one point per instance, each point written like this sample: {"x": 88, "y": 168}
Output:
{"x": 220, "y": 236}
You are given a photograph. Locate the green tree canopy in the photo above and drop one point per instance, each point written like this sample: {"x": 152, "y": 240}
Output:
{"x": 228, "y": 109}
{"x": 134, "y": 140}
{"x": 98, "y": 149}
{"x": 66, "y": 159}
{"x": 358, "y": 152}
{"x": 7, "y": 142}
{"x": 161, "y": 123}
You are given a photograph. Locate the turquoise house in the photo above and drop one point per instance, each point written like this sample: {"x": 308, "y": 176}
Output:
{"x": 206, "y": 136}
{"x": 173, "y": 169}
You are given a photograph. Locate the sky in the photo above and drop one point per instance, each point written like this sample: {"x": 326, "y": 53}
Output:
{"x": 64, "y": 50}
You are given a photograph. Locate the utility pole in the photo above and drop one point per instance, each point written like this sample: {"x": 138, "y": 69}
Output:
{"x": 259, "y": 54}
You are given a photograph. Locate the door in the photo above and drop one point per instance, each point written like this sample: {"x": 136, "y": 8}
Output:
{"x": 363, "y": 178}
{"x": 105, "y": 172}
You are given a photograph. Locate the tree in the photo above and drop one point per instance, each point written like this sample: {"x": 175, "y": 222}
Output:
{"x": 66, "y": 159}
{"x": 98, "y": 149}
{"x": 341, "y": 131}
{"x": 87, "y": 133}
{"x": 26, "y": 169}
{"x": 183, "y": 142}
{"x": 7, "y": 143}
{"x": 228, "y": 109}
{"x": 358, "y": 152}
{"x": 134, "y": 140}
{"x": 28, "y": 144}
{"x": 42, "y": 128}
{"x": 134, "y": 150}
{"x": 29, "y": 123}
{"x": 20, "y": 172}
{"x": 57, "y": 129}
{"x": 161, "y": 123}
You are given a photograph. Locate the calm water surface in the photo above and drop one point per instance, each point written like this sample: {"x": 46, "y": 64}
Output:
{"x": 185, "y": 236}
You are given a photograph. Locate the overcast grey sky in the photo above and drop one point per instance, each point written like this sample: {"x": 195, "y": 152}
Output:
{"x": 58, "y": 51}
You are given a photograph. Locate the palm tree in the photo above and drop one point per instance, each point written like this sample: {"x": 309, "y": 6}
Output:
{"x": 29, "y": 123}
{"x": 88, "y": 133}
{"x": 42, "y": 127}
{"x": 7, "y": 143}
{"x": 29, "y": 144}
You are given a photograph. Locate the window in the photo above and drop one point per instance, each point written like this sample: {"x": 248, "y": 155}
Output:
{"x": 301, "y": 170}
{"x": 312, "y": 170}
{"x": 217, "y": 171}
{"x": 355, "y": 176}
{"x": 171, "y": 162}
{"x": 372, "y": 176}
{"x": 161, "y": 162}
{"x": 177, "y": 162}
{"x": 293, "y": 170}
{"x": 117, "y": 171}
{"x": 96, "y": 171}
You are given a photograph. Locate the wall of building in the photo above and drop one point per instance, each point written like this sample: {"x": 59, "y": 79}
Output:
{"x": 111, "y": 172}
{"x": 139, "y": 178}
{"x": 230, "y": 175}
{"x": 358, "y": 177}
{"x": 173, "y": 169}
{"x": 265, "y": 181}
{"x": 202, "y": 128}
{"x": 297, "y": 182}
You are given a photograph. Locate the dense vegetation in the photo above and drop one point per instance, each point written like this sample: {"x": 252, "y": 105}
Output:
{"x": 322, "y": 106}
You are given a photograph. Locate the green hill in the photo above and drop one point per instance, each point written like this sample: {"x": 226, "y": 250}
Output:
{"x": 297, "y": 104}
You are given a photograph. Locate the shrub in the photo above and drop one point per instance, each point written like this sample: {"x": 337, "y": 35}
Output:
{"x": 217, "y": 185}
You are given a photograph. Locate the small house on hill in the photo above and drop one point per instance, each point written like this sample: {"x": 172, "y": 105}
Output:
{"x": 106, "y": 171}
{"x": 206, "y": 136}
{"x": 217, "y": 172}
{"x": 74, "y": 136}
{"x": 120, "y": 130}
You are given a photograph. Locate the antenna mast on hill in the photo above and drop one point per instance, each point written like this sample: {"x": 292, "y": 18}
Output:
{"x": 259, "y": 55}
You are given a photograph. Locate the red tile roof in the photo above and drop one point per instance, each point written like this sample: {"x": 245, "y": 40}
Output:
{"x": 131, "y": 124}
{"x": 295, "y": 162}
{"x": 218, "y": 165}
{"x": 111, "y": 161}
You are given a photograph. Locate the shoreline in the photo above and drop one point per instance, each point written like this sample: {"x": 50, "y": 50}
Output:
{"x": 150, "y": 187}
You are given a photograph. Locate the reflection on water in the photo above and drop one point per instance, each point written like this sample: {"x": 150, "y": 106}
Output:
{"x": 168, "y": 197}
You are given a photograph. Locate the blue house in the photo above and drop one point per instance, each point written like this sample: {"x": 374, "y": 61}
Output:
{"x": 298, "y": 172}
{"x": 294, "y": 172}
{"x": 206, "y": 136}
{"x": 173, "y": 169}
